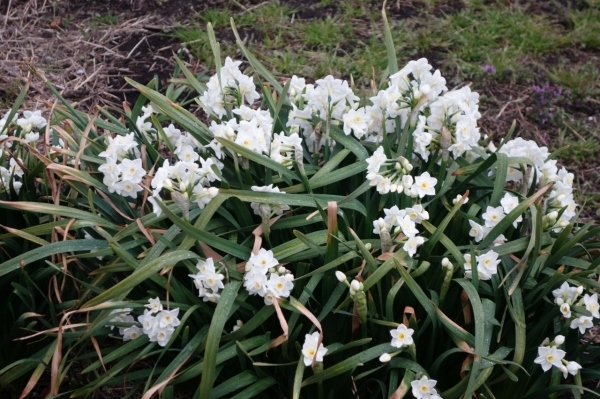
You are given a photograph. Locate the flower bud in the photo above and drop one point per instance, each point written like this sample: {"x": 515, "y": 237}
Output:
{"x": 281, "y": 270}
{"x": 446, "y": 262}
{"x": 559, "y": 339}
{"x": 385, "y": 358}
{"x": 580, "y": 290}
{"x": 559, "y": 301}
{"x": 355, "y": 285}
{"x": 340, "y": 276}
{"x": 552, "y": 215}
{"x": 563, "y": 368}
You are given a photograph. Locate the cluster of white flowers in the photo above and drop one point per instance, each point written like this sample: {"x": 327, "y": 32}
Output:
{"x": 457, "y": 111}
{"x": 190, "y": 176}
{"x": 410, "y": 90}
{"x": 263, "y": 277}
{"x": 568, "y": 297}
{"x": 124, "y": 316}
{"x": 29, "y": 122}
{"x": 329, "y": 99}
{"x": 560, "y": 206}
{"x": 493, "y": 215}
{"x": 208, "y": 281}
{"x": 549, "y": 355}
{"x": 228, "y": 89}
{"x": 403, "y": 221}
{"x": 276, "y": 209}
{"x": 311, "y": 350}
{"x": 253, "y": 129}
{"x": 121, "y": 174}
{"x": 487, "y": 265}
{"x": 157, "y": 323}
{"x": 25, "y": 129}
{"x": 395, "y": 177}
{"x": 8, "y": 175}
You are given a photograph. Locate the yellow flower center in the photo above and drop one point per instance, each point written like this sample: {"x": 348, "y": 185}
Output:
{"x": 401, "y": 336}
{"x": 311, "y": 352}
{"x": 550, "y": 358}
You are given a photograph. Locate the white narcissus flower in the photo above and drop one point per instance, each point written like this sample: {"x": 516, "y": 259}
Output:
{"x": 154, "y": 305}
{"x": 131, "y": 333}
{"x": 510, "y": 202}
{"x": 402, "y": 336}
{"x": 31, "y": 120}
{"x": 417, "y": 214}
{"x": 255, "y": 281}
{"x": 582, "y": 322}
{"x": 477, "y": 231}
{"x": 213, "y": 280}
{"x": 394, "y": 216}
{"x": 408, "y": 227}
{"x": 168, "y": 318}
{"x": 148, "y": 321}
{"x": 487, "y": 263}
{"x": 412, "y": 244}
{"x": 424, "y": 388}
{"x": 263, "y": 260}
{"x": 31, "y": 138}
{"x": 572, "y": 368}
{"x": 549, "y": 356}
{"x": 132, "y": 170}
{"x": 161, "y": 335}
{"x": 357, "y": 121}
{"x": 591, "y": 304}
{"x": 311, "y": 351}
{"x": 376, "y": 160}
{"x": 565, "y": 309}
{"x": 127, "y": 188}
{"x": 424, "y": 185}
{"x": 379, "y": 225}
{"x": 493, "y": 216}
{"x": 280, "y": 286}
{"x": 565, "y": 292}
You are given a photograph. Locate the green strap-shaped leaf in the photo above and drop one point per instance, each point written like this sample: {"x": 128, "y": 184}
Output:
{"x": 349, "y": 142}
{"x": 58, "y": 210}
{"x": 389, "y": 44}
{"x": 500, "y": 182}
{"x": 349, "y": 364}
{"x": 479, "y": 316}
{"x": 214, "y": 241}
{"x": 255, "y": 389}
{"x": 294, "y": 199}
{"x": 140, "y": 275}
{"x": 220, "y": 316}
{"x": 417, "y": 291}
{"x": 180, "y": 115}
{"x": 239, "y": 381}
{"x": 49, "y": 250}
